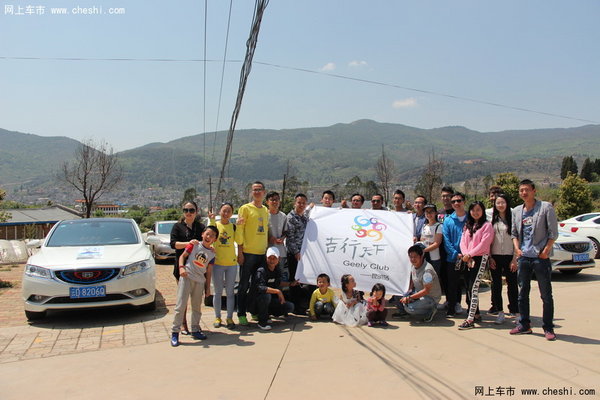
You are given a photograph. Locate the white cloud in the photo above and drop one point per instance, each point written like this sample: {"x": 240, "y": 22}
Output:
{"x": 328, "y": 67}
{"x": 356, "y": 63}
{"x": 404, "y": 103}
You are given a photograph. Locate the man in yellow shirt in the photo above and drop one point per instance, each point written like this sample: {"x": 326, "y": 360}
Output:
{"x": 254, "y": 237}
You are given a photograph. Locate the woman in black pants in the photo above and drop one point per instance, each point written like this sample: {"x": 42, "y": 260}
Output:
{"x": 503, "y": 261}
{"x": 187, "y": 230}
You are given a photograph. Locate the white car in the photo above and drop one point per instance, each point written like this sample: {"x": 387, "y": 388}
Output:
{"x": 587, "y": 225}
{"x": 572, "y": 253}
{"x": 87, "y": 263}
{"x": 162, "y": 230}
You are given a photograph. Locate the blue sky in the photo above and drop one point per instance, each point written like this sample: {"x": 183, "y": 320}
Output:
{"x": 538, "y": 55}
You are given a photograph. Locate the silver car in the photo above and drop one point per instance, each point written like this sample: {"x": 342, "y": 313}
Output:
{"x": 162, "y": 230}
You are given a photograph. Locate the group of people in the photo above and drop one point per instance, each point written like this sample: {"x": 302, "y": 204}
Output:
{"x": 450, "y": 246}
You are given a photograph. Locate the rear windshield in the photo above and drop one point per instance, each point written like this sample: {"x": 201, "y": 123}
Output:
{"x": 93, "y": 233}
{"x": 586, "y": 217}
{"x": 165, "y": 228}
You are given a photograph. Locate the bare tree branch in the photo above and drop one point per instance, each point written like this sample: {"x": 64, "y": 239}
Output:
{"x": 94, "y": 172}
{"x": 386, "y": 170}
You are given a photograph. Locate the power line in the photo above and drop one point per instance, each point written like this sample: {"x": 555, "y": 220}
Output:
{"x": 259, "y": 9}
{"x": 222, "y": 79}
{"x": 310, "y": 71}
{"x": 204, "y": 91}
{"x": 430, "y": 92}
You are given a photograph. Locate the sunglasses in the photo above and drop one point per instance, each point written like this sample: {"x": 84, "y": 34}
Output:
{"x": 189, "y": 210}
{"x": 457, "y": 201}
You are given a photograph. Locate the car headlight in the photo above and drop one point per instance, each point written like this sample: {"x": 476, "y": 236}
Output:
{"x": 134, "y": 268}
{"x": 38, "y": 272}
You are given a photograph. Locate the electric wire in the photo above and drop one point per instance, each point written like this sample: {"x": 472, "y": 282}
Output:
{"x": 204, "y": 91}
{"x": 221, "y": 85}
{"x": 310, "y": 71}
{"x": 259, "y": 9}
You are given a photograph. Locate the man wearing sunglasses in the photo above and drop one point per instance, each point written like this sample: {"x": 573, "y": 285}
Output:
{"x": 377, "y": 202}
{"x": 453, "y": 228}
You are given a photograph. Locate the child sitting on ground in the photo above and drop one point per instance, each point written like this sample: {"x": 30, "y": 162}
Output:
{"x": 322, "y": 301}
{"x": 195, "y": 268}
{"x": 351, "y": 309}
{"x": 376, "y": 311}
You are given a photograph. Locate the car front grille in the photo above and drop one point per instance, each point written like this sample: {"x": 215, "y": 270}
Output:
{"x": 580, "y": 247}
{"x": 108, "y": 297}
{"x": 87, "y": 276}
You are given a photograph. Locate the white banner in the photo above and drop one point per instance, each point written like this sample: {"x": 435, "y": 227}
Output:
{"x": 371, "y": 245}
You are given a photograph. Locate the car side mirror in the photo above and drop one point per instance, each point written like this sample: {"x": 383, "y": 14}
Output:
{"x": 153, "y": 240}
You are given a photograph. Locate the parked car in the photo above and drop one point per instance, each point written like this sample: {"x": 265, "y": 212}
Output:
{"x": 86, "y": 263}
{"x": 162, "y": 230}
{"x": 584, "y": 225}
{"x": 572, "y": 253}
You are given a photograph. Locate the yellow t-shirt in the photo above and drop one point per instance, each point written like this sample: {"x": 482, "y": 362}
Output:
{"x": 328, "y": 297}
{"x": 255, "y": 228}
{"x": 224, "y": 246}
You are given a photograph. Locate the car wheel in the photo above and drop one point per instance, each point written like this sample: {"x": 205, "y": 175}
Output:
{"x": 596, "y": 247}
{"x": 149, "y": 306}
{"x": 570, "y": 271}
{"x": 35, "y": 315}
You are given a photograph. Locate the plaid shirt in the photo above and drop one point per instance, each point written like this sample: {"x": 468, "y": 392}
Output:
{"x": 296, "y": 225}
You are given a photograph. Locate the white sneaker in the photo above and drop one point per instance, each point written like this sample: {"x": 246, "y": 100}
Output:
{"x": 500, "y": 318}
{"x": 265, "y": 328}
{"x": 458, "y": 309}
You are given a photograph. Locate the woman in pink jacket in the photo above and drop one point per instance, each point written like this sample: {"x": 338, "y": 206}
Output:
{"x": 475, "y": 244}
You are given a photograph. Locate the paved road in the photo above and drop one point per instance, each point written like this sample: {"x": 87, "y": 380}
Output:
{"x": 124, "y": 354}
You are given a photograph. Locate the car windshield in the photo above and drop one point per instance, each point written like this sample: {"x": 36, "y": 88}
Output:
{"x": 164, "y": 228}
{"x": 93, "y": 233}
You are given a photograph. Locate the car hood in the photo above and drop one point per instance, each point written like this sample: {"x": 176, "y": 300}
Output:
{"x": 564, "y": 237}
{"x": 165, "y": 238}
{"x": 89, "y": 256}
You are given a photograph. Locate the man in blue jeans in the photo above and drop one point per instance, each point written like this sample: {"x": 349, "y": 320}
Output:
{"x": 534, "y": 232}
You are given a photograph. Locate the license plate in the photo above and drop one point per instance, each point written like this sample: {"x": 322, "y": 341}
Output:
{"x": 86, "y": 292}
{"x": 583, "y": 257}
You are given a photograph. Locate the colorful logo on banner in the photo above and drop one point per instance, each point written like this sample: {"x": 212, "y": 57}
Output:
{"x": 369, "y": 227}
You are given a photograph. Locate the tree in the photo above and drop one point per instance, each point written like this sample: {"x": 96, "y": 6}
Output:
{"x": 509, "y": 183}
{"x": 94, "y": 171}
{"x": 587, "y": 169}
{"x": 568, "y": 165}
{"x": 430, "y": 182}
{"x": 386, "y": 170}
{"x": 574, "y": 197}
{"x": 370, "y": 189}
{"x": 354, "y": 185}
{"x": 4, "y": 216}
{"x": 190, "y": 194}
{"x": 293, "y": 186}
{"x": 597, "y": 166}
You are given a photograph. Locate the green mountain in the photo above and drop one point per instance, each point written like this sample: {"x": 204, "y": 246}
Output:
{"x": 321, "y": 155}
{"x": 30, "y": 159}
